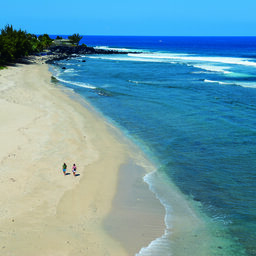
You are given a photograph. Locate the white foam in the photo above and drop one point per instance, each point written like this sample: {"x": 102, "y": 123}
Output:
{"x": 161, "y": 245}
{"x": 243, "y": 84}
{"x": 117, "y": 49}
{"x": 71, "y": 70}
{"x": 134, "y": 82}
{"x": 187, "y": 57}
{"x": 128, "y": 58}
{"x": 159, "y": 55}
{"x": 213, "y": 68}
{"x": 248, "y": 84}
{"x": 206, "y": 63}
{"x": 150, "y": 179}
{"x": 79, "y": 84}
{"x": 218, "y": 82}
{"x": 55, "y": 71}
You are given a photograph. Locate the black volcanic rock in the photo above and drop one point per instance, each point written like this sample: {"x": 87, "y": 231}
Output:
{"x": 66, "y": 52}
{"x": 83, "y": 50}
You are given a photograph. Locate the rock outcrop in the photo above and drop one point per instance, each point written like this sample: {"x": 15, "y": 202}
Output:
{"x": 65, "y": 52}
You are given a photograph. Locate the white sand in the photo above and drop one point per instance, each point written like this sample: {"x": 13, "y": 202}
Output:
{"x": 42, "y": 211}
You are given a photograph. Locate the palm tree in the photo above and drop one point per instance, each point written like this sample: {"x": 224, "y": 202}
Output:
{"x": 75, "y": 39}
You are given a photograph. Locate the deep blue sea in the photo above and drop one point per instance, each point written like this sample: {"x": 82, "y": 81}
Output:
{"x": 190, "y": 104}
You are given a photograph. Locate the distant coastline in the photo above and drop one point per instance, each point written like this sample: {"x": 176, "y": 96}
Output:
{"x": 16, "y": 45}
{"x": 65, "y": 52}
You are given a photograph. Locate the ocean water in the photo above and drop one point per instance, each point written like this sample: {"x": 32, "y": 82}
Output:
{"x": 190, "y": 104}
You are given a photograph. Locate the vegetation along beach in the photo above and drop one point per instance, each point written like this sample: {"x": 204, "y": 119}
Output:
{"x": 127, "y": 134}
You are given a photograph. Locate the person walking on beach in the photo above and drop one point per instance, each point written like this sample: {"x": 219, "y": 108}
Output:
{"x": 74, "y": 170}
{"x": 64, "y": 168}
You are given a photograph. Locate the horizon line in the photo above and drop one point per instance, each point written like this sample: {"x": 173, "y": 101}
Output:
{"x": 150, "y": 35}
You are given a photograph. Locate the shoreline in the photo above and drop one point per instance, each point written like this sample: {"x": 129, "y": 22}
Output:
{"x": 45, "y": 212}
{"x": 179, "y": 226}
{"x": 137, "y": 217}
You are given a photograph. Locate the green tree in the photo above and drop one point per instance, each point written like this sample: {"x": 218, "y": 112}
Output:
{"x": 1, "y": 49}
{"x": 45, "y": 41}
{"x": 35, "y": 43}
{"x": 22, "y": 44}
{"x": 15, "y": 44}
{"x": 7, "y": 44}
{"x": 75, "y": 39}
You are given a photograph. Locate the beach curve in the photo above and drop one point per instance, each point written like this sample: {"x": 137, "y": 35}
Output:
{"x": 43, "y": 211}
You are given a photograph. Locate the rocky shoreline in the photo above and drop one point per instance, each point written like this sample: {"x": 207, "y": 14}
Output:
{"x": 64, "y": 52}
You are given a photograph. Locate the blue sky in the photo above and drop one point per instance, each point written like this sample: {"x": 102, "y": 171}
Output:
{"x": 133, "y": 17}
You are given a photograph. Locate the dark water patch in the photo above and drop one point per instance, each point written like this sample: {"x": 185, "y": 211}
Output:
{"x": 180, "y": 87}
{"x": 104, "y": 92}
{"x": 54, "y": 79}
{"x": 253, "y": 56}
{"x": 240, "y": 79}
{"x": 109, "y": 93}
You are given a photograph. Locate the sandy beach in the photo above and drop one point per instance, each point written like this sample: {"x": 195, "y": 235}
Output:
{"x": 106, "y": 209}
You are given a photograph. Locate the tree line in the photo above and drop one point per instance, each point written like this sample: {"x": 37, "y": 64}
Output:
{"x": 15, "y": 44}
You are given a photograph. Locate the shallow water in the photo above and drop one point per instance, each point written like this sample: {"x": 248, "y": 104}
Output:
{"x": 190, "y": 104}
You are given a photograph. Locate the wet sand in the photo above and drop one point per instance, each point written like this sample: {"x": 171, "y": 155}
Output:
{"x": 136, "y": 216}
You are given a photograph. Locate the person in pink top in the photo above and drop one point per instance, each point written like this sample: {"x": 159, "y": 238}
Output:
{"x": 74, "y": 169}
